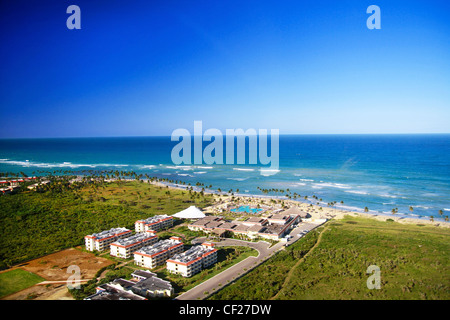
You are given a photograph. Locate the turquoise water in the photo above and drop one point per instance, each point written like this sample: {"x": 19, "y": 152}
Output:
{"x": 380, "y": 172}
{"x": 246, "y": 209}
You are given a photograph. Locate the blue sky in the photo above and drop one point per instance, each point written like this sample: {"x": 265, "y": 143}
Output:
{"x": 139, "y": 68}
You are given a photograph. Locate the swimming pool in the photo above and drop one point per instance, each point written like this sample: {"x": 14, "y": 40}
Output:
{"x": 246, "y": 209}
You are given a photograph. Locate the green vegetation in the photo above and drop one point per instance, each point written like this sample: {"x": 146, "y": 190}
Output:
{"x": 112, "y": 272}
{"x": 413, "y": 260}
{"x": 266, "y": 280}
{"x": 15, "y": 280}
{"x": 183, "y": 232}
{"x": 36, "y": 223}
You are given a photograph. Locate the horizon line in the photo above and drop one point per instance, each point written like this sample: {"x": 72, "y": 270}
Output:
{"x": 282, "y": 134}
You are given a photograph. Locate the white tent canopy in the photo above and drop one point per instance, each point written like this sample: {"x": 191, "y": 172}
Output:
{"x": 190, "y": 213}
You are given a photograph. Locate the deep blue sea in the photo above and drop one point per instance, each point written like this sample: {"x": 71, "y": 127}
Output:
{"x": 380, "y": 172}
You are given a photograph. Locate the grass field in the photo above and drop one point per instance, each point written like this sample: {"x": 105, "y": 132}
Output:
{"x": 36, "y": 224}
{"x": 413, "y": 261}
{"x": 16, "y": 280}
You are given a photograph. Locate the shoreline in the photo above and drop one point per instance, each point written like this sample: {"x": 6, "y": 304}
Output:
{"x": 312, "y": 209}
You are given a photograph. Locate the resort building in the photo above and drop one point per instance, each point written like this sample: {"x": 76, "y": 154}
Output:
{"x": 8, "y": 190}
{"x": 155, "y": 223}
{"x": 143, "y": 285}
{"x": 38, "y": 184}
{"x": 149, "y": 285}
{"x": 17, "y": 182}
{"x": 273, "y": 227}
{"x": 157, "y": 254}
{"x": 296, "y": 211}
{"x": 193, "y": 260}
{"x": 278, "y": 219}
{"x": 124, "y": 248}
{"x": 102, "y": 240}
{"x": 279, "y": 225}
{"x": 111, "y": 292}
{"x": 201, "y": 224}
{"x": 255, "y": 221}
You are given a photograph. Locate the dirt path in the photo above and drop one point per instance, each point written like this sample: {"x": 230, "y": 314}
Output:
{"x": 289, "y": 275}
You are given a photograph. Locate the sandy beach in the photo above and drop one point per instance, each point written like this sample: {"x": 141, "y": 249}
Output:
{"x": 315, "y": 211}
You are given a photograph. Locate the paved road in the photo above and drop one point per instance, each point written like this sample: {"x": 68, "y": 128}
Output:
{"x": 220, "y": 280}
{"x": 265, "y": 251}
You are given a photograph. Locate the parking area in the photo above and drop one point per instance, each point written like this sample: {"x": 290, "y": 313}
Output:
{"x": 300, "y": 230}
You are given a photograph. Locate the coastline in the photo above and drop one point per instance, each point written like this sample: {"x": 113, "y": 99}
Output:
{"x": 312, "y": 209}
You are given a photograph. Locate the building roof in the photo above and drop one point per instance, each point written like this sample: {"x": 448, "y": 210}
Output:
{"x": 143, "y": 273}
{"x": 190, "y": 213}
{"x": 219, "y": 231}
{"x": 278, "y": 229}
{"x": 152, "y": 284}
{"x": 240, "y": 227}
{"x": 210, "y": 218}
{"x": 202, "y": 222}
{"x": 279, "y": 216}
{"x": 194, "y": 253}
{"x": 109, "y": 233}
{"x": 109, "y": 292}
{"x": 227, "y": 225}
{"x": 159, "y": 247}
{"x": 255, "y": 228}
{"x": 274, "y": 229}
{"x": 121, "y": 289}
{"x": 213, "y": 224}
{"x": 154, "y": 219}
{"x": 125, "y": 284}
{"x": 254, "y": 221}
{"x": 295, "y": 211}
{"x": 136, "y": 238}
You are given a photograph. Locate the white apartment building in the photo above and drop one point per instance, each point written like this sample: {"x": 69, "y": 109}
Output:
{"x": 124, "y": 248}
{"x": 101, "y": 241}
{"x": 155, "y": 223}
{"x": 193, "y": 260}
{"x": 157, "y": 254}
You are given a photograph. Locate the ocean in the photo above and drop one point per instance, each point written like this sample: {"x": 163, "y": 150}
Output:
{"x": 380, "y": 172}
